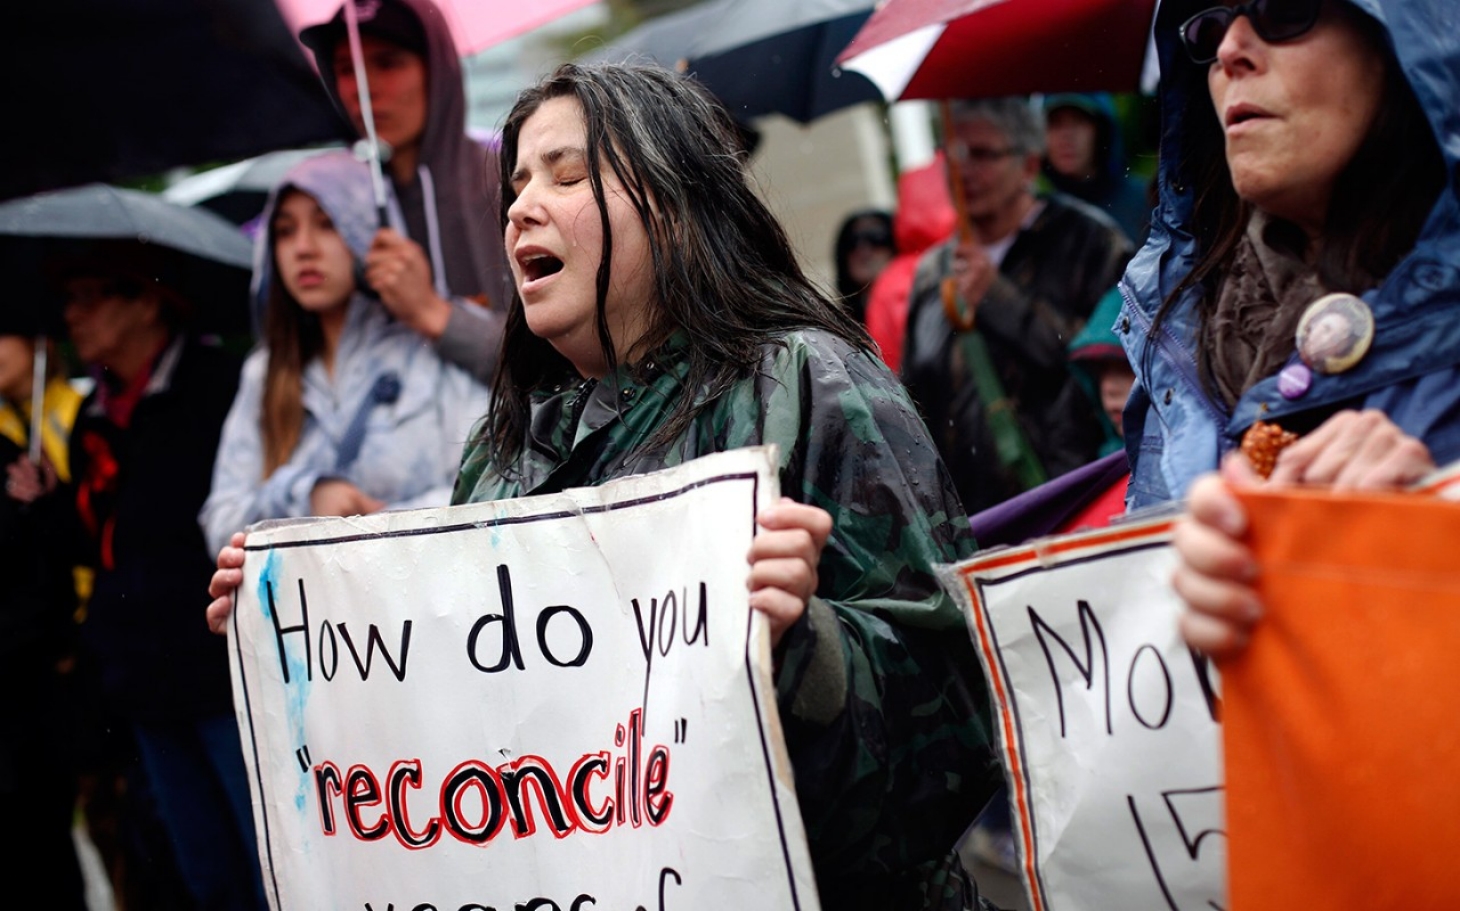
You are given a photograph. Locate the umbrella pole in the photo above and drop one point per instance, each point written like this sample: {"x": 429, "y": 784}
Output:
{"x": 955, "y": 176}
{"x": 38, "y": 398}
{"x": 372, "y": 143}
{"x": 958, "y": 312}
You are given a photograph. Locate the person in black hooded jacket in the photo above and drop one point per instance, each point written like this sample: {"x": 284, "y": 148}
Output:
{"x": 439, "y": 266}
{"x": 1085, "y": 158}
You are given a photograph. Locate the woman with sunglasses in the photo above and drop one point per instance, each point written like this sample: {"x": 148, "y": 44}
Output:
{"x": 1299, "y": 160}
{"x": 864, "y": 246}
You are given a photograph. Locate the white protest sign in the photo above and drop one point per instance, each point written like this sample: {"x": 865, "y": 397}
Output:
{"x": 556, "y": 703}
{"x": 1107, "y": 721}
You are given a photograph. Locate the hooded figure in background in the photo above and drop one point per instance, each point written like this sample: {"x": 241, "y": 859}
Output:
{"x": 1098, "y": 363}
{"x": 341, "y": 409}
{"x": 924, "y": 217}
{"x": 1085, "y": 158}
{"x": 440, "y": 267}
{"x": 864, "y": 246}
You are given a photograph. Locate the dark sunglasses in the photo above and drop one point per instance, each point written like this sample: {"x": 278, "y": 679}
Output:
{"x": 1272, "y": 20}
{"x": 872, "y": 238}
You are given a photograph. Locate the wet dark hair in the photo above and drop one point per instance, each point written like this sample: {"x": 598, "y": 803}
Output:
{"x": 724, "y": 271}
{"x": 1379, "y": 202}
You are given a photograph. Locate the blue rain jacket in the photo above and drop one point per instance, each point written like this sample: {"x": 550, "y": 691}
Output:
{"x": 1175, "y": 431}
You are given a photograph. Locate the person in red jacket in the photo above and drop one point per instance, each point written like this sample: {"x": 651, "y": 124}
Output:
{"x": 924, "y": 217}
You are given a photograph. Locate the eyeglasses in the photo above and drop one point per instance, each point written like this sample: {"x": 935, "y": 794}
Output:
{"x": 1273, "y": 20}
{"x": 89, "y": 293}
{"x": 963, "y": 154}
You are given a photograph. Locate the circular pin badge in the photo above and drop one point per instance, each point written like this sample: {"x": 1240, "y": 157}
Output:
{"x": 1294, "y": 381}
{"x": 1335, "y": 333}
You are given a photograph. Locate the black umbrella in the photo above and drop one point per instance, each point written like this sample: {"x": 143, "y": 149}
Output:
{"x": 237, "y": 191}
{"x": 196, "y": 253}
{"x": 758, "y": 56}
{"x": 114, "y": 89}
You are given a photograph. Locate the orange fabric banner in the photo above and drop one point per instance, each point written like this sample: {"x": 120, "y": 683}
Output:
{"x": 1342, "y": 719}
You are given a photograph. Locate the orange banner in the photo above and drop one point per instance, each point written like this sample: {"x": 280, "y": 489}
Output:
{"x": 1342, "y": 719}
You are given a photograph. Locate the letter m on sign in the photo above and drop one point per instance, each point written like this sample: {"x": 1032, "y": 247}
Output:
{"x": 1084, "y": 664}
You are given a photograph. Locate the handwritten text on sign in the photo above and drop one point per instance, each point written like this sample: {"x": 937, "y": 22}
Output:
{"x": 1107, "y": 721}
{"x": 545, "y": 704}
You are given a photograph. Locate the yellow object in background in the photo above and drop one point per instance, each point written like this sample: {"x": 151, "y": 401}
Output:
{"x": 62, "y": 401}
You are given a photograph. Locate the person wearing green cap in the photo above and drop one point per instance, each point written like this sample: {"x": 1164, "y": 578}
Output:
{"x": 1099, "y": 364}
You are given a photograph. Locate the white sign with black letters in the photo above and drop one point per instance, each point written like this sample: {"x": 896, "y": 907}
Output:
{"x": 557, "y": 703}
{"x": 1107, "y": 721}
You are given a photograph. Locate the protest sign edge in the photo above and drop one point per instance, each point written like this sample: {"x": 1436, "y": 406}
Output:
{"x": 283, "y": 533}
{"x": 1443, "y": 482}
{"x": 965, "y": 583}
{"x": 759, "y": 667}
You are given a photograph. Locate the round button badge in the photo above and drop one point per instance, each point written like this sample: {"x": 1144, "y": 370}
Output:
{"x": 1335, "y": 333}
{"x": 1294, "y": 381}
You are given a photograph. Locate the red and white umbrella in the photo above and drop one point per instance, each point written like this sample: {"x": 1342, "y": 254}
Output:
{"x": 985, "y": 48}
{"x": 475, "y": 24}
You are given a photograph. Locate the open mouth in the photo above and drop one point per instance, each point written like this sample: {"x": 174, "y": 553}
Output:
{"x": 540, "y": 265}
{"x": 1242, "y": 114}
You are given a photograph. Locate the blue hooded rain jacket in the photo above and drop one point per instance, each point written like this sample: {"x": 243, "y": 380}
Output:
{"x": 1175, "y": 431}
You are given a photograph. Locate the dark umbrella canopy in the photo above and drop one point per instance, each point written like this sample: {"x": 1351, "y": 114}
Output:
{"x": 793, "y": 73}
{"x": 237, "y": 191}
{"x": 196, "y": 253}
{"x": 758, "y": 56}
{"x": 114, "y": 89}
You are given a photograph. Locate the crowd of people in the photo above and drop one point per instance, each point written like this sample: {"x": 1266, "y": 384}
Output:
{"x": 603, "y": 294}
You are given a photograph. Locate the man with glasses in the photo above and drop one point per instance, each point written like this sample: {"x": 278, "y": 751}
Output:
{"x": 993, "y": 309}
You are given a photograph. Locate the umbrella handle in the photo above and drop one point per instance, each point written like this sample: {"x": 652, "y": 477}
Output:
{"x": 367, "y": 113}
{"x": 955, "y": 175}
{"x": 960, "y": 317}
{"x": 37, "y": 398}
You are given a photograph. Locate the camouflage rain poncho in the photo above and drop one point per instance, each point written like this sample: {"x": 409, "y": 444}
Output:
{"x": 887, "y": 723}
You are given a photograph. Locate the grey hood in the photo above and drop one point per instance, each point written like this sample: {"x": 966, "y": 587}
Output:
{"x": 461, "y": 173}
